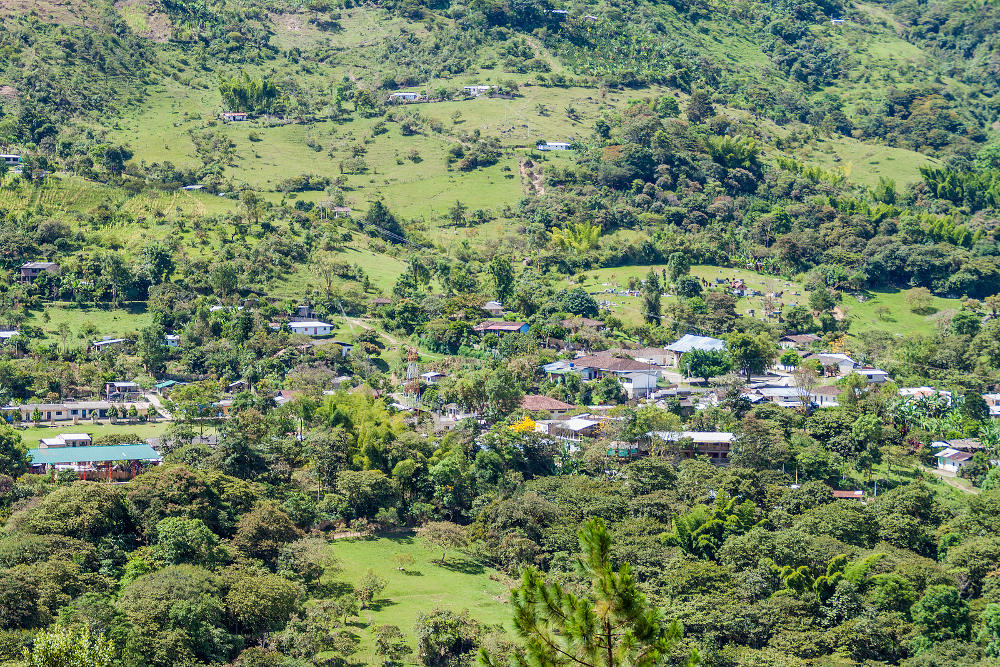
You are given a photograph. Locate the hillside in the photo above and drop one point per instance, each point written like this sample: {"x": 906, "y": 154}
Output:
{"x": 428, "y": 332}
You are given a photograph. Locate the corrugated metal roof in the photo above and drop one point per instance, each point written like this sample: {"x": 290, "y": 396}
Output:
{"x": 95, "y": 453}
{"x": 689, "y": 342}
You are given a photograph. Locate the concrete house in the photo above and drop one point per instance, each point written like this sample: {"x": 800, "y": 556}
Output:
{"x": 951, "y": 461}
{"x": 826, "y": 397}
{"x": 31, "y": 270}
{"x": 407, "y": 96}
{"x": 873, "y": 375}
{"x": 689, "y": 342}
{"x": 476, "y": 91}
{"x": 494, "y": 308}
{"x": 234, "y": 116}
{"x": 835, "y": 363}
{"x": 554, "y": 146}
{"x": 596, "y": 366}
{"x": 311, "y": 328}
{"x": 108, "y": 343}
{"x": 432, "y": 377}
{"x": 797, "y": 340}
{"x": 122, "y": 391}
{"x": 716, "y": 445}
{"x": 172, "y": 340}
{"x": 638, "y": 385}
{"x": 67, "y": 440}
{"x": 536, "y": 402}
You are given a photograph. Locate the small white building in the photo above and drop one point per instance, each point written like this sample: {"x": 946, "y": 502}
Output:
{"x": 107, "y": 343}
{"x": 553, "y": 146}
{"x": 476, "y": 90}
{"x": 952, "y": 461}
{"x": 172, "y": 340}
{"x": 432, "y": 377}
{"x": 7, "y": 335}
{"x": 835, "y": 363}
{"x": 638, "y": 385}
{"x": 873, "y": 375}
{"x": 405, "y": 96}
{"x": 311, "y": 328}
{"x": 67, "y": 440}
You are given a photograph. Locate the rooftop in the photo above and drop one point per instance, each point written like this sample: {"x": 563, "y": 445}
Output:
{"x": 689, "y": 342}
{"x": 532, "y": 402}
{"x": 96, "y": 453}
{"x": 606, "y": 362}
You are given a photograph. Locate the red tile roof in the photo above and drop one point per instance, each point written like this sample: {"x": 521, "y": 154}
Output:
{"x": 533, "y": 402}
{"x": 609, "y": 363}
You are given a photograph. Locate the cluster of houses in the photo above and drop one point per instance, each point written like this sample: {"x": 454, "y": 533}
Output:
{"x": 411, "y": 96}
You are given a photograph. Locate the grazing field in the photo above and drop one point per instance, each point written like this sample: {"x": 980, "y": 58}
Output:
{"x": 32, "y": 435}
{"x": 458, "y": 584}
{"x": 105, "y": 321}
{"x": 864, "y": 315}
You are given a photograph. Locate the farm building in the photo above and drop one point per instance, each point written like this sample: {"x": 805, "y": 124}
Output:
{"x": 234, "y": 116}
{"x": 31, "y": 270}
{"x": 115, "y": 462}
{"x": 553, "y": 146}
{"x": 689, "y": 342}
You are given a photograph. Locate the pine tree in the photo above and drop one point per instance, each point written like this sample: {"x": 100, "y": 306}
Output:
{"x": 614, "y": 626}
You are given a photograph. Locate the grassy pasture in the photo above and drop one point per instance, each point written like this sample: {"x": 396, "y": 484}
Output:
{"x": 457, "y": 584}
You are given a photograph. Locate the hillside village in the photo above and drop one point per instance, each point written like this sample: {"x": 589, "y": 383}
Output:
{"x": 473, "y": 332}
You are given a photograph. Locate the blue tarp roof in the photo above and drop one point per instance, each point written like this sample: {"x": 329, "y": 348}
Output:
{"x": 54, "y": 455}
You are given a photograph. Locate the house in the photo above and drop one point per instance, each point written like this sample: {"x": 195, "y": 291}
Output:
{"x": 380, "y": 301}
{"x": 234, "y": 116}
{"x": 31, "y": 270}
{"x": 122, "y": 391}
{"x": 494, "y": 308}
{"x": 925, "y": 393}
{"x": 236, "y": 387}
{"x": 345, "y": 347}
{"x": 536, "y": 403}
{"x": 553, "y": 146}
{"x": 67, "y": 440}
{"x": 303, "y": 312}
{"x": 826, "y": 397}
{"x": 689, "y": 342}
{"x": 10, "y": 159}
{"x": 53, "y": 412}
{"x": 951, "y": 460}
{"x": 7, "y": 335}
{"x": 993, "y": 403}
{"x": 172, "y": 340}
{"x": 311, "y": 328}
{"x": 572, "y": 430}
{"x": 596, "y": 366}
{"x": 837, "y": 21}
{"x": 961, "y": 444}
{"x": 114, "y": 462}
{"x": 786, "y": 397}
{"x": 638, "y": 385}
{"x": 797, "y": 340}
{"x": 501, "y": 327}
{"x": 432, "y": 377}
{"x": 162, "y": 388}
{"x": 716, "y": 445}
{"x": 835, "y": 363}
{"x": 575, "y": 324}
{"x": 849, "y": 495}
{"x": 476, "y": 91}
{"x": 108, "y": 343}
{"x": 656, "y": 356}
{"x": 407, "y": 96}
{"x": 873, "y": 375}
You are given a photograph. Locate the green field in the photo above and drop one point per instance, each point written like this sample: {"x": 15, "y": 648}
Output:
{"x": 33, "y": 434}
{"x": 108, "y": 322}
{"x": 863, "y": 315}
{"x": 459, "y": 584}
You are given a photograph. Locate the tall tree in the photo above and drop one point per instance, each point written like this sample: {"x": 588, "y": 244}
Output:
{"x": 612, "y": 626}
{"x": 651, "y": 291}
{"x": 502, "y": 274}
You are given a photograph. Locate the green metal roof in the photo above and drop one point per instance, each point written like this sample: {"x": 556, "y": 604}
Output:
{"x": 54, "y": 455}
{"x": 166, "y": 383}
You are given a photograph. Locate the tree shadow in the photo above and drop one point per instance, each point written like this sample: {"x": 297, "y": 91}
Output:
{"x": 413, "y": 573}
{"x": 380, "y": 604}
{"x": 337, "y": 588}
{"x": 403, "y": 538}
{"x": 464, "y": 566}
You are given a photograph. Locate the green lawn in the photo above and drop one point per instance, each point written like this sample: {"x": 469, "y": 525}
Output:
{"x": 32, "y": 435}
{"x": 459, "y": 584}
{"x": 119, "y": 322}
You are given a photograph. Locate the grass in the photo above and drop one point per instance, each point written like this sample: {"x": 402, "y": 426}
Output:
{"x": 457, "y": 585}
{"x": 868, "y": 162}
{"x": 115, "y": 323}
{"x": 864, "y": 316}
{"x": 33, "y": 434}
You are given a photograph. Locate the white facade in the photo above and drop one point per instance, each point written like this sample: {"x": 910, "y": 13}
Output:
{"x": 553, "y": 146}
{"x": 311, "y": 328}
